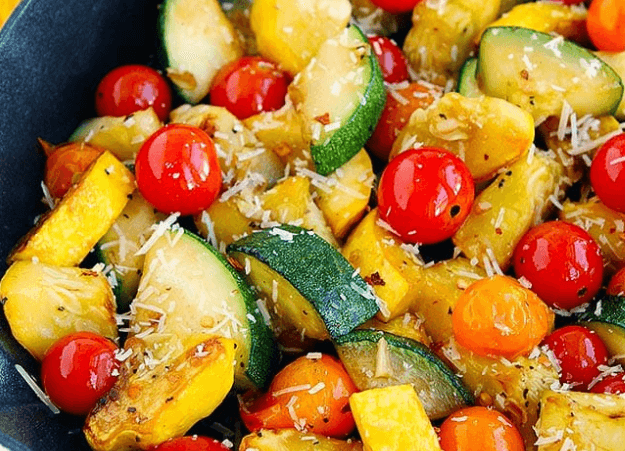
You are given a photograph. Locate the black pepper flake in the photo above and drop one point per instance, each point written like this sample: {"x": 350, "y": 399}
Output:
{"x": 582, "y": 292}
{"x": 170, "y": 399}
{"x": 132, "y": 409}
{"x": 60, "y": 308}
{"x": 501, "y": 183}
{"x": 454, "y": 211}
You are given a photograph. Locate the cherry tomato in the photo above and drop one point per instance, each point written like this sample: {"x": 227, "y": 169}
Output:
{"x": 579, "y": 351}
{"x": 396, "y": 6}
{"x": 562, "y": 262}
{"x": 78, "y": 370}
{"x": 607, "y": 173}
{"x": 177, "y": 170}
{"x": 396, "y": 114}
{"x": 616, "y": 287}
{"x": 425, "y": 194}
{"x": 606, "y": 24}
{"x": 249, "y": 86}
{"x": 570, "y": 2}
{"x": 191, "y": 443}
{"x": 313, "y": 392}
{"x": 128, "y": 89}
{"x": 497, "y": 316}
{"x": 479, "y": 429}
{"x": 613, "y": 384}
{"x": 392, "y": 60}
{"x": 65, "y": 165}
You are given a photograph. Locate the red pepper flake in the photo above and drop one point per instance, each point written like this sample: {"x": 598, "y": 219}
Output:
{"x": 375, "y": 279}
{"x": 323, "y": 119}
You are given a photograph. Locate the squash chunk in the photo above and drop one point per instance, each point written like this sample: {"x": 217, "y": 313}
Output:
{"x": 154, "y": 400}
{"x": 503, "y": 212}
{"x": 66, "y": 235}
{"x": 382, "y": 261}
{"x": 43, "y": 303}
{"x": 290, "y": 32}
{"x": 292, "y": 440}
{"x": 485, "y": 132}
{"x": 345, "y": 197}
{"x": 581, "y": 421}
{"x": 393, "y": 419}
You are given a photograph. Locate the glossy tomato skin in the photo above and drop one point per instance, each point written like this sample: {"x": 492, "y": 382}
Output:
{"x": 616, "y": 287}
{"x": 425, "y": 194}
{"x": 177, "y": 170}
{"x": 607, "y": 172}
{"x": 396, "y": 114}
{"x": 78, "y": 370}
{"x": 562, "y": 262}
{"x": 498, "y": 317}
{"x": 613, "y": 384}
{"x": 65, "y": 165}
{"x": 248, "y": 86}
{"x": 128, "y": 89}
{"x": 606, "y": 24}
{"x": 191, "y": 443}
{"x": 324, "y": 408}
{"x": 392, "y": 60}
{"x": 580, "y": 352}
{"x": 479, "y": 429}
{"x": 396, "y": 6}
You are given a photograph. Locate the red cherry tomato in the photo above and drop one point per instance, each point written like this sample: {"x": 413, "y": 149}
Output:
{"x": 177, "y": 170}
{"x": 616, "y": 287}
{"x": 191, "y": 443}
{"x": 562, "y": 262}
{"x": 607, "y": 173}
{"x": 128, "y": 89}
{"x": 606, "y": 24}
{"x": 425, "y": 194}
{"x": 249, "y": 86}
{"x": 391, "y": 58}
{"x": 397, "y": 113}
{"x": 396, "y": 6}
{"x": 65, "y": 165}
{"x": 613, "y": 384}
{"x": 479, "y": 429}
{"x": 78, "y": 370}
{"x": 579, "y": 351}
{"x": 321, "y": 405}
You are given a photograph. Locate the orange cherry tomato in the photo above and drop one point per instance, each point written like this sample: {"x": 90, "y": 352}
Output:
{"x": 479, "y": 429}
{"x": 191, "y": 443}
{"x": 606, "y": 24}
{"x": 308, "y": 394}
{"x": 65, "y": 165}
{"x": 397, "y": 110}
{"x": 616, "y": 287}
{"x": 497, "y": 316}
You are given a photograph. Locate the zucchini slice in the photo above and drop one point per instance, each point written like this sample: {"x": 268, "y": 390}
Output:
{"x": 197, "y": 40}
{"x": 118, "y": 247}
{"x": 539, "y": 73}
{"x": 376, "y": 359}
{"x": 607, "y": 319}
{"x": 123, "y": 136}
{"x": 313, "y": 287}
{"x": 188, "y": 287}
{"x": 467, "y": 81}
{"x": 341, "y": 96}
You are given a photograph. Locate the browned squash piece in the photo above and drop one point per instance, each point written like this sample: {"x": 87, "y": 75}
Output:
{"x": 65, "y": 236}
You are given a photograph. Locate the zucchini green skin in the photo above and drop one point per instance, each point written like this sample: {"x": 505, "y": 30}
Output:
{"x": 467, "y": 80}
{"x": 317, "y": 271}
{"x": 596, "y": 95}
{"x": 430, "y": 371}
{"x": 608, "y": 321}
{"x": 263, "y": 350}
{"x": 352, "y": 136}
